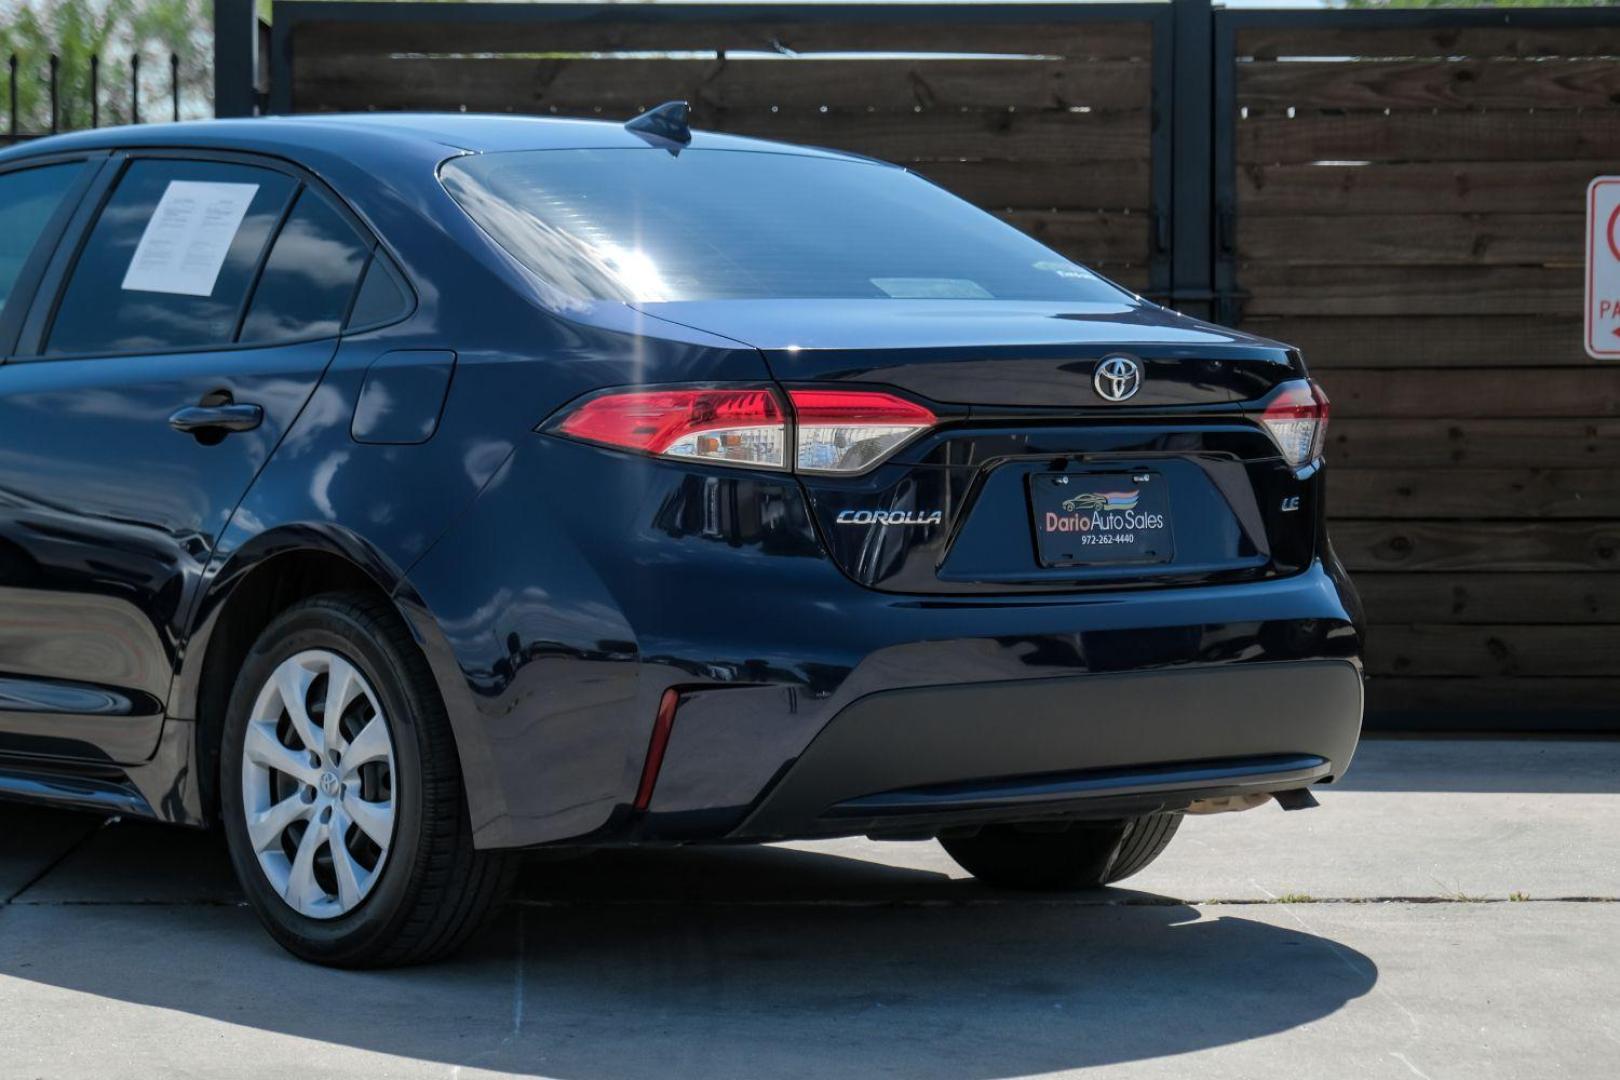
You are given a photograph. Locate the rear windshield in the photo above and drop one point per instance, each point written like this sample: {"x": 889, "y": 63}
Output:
{"x": 647, "y": 225}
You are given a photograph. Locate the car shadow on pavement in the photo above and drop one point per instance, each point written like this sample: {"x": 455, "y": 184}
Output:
{"x": 704, "y": 963}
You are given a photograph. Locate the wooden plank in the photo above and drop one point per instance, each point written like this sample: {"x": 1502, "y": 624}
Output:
{"x": 1521, "y": 599}
{"x": 1094, "y": 140}
{"x": 1430, "y": 493}
{"x": 1411, "y": 290}
{"x": 1095, "y": 238}
{"x": 1503, "y": 547}
{"x": 1592, "y": 392}
{"x": 1411, "y": 239}
{"x": 1430, "y": 341}
{"x": 1534, "y": 697}
{"x": 630, "y": 86}
{"x": 1429, "y": 84}
{"x": 954, "y": 135}
{"x": 1435, "y": 42}
{"x": 1429, "y": 650}
{"x": 1416, "y": 188}
{"x": 1106, "y": 185}
{"x": 1412, "y": 444}
{"x": 449, "y": 31}
{"x": 1502, "y": 135}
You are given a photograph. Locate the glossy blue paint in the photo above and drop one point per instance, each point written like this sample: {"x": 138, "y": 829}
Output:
{"x": 559, "y": 589}
{"x": 747, "y": 612}
{"x": 109, "y": 515}
{"x": 402, "y": 397}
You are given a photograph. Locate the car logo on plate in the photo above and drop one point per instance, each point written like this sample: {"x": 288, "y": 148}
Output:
{"x": 1103, "y": 500}
{"x": 1117, "y": 378}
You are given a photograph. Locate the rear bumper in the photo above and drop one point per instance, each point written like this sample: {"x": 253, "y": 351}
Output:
{"x": 908, "y": 761}
{"x": 554, "y": 625}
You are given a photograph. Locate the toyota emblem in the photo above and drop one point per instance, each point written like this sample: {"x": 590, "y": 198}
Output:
{"x": 1118, "y": 378}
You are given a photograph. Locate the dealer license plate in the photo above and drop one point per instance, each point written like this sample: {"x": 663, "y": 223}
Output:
{"x": 1083, "y": 519}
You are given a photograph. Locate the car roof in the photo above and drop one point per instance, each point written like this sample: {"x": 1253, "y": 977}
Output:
{"x": 451, "y": 132}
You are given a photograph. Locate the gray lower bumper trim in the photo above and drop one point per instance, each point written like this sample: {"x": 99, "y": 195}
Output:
{"x": 1030, "y": 735}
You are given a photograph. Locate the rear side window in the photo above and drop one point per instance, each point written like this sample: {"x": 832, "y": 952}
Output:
{"x": 310, "y": 277}
{"x": 28, "y": 198}
{"x": 382, "y": 297}
{"x": 169, "y": 262}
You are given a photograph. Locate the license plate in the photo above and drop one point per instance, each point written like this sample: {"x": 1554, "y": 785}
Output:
{"x": 1083, "y": 519}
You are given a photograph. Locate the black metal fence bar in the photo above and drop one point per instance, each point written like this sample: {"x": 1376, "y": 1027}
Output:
{"x": 62, "y": 112}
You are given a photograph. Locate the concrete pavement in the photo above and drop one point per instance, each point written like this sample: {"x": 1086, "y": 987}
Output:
{"x": 124, "y": 952}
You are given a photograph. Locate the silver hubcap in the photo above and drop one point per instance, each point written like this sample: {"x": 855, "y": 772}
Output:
{"x": 318, "y": 784}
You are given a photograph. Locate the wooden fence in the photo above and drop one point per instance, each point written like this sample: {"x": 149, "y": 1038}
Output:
{"x": 1399, "y": 193}
{"x": 1047, "y": 120}
{"x": 1409, "y": 209}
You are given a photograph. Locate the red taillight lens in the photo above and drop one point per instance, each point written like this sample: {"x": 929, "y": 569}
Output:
{"x": 848, "y": 431}
{"x": 838, "y": 431}
{"x": 727, "y": 427}
{"x": 1297, "y": 418}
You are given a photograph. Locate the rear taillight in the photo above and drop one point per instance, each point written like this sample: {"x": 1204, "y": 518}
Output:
{"x": 849, "y": 431}
{"x": 727, "y": 427}
{"x": 835, "y": 431}
{"x": 1297, "y": 418}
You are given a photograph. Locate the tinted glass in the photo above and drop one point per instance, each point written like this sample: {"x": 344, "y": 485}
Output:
{"x": 108, "y": 309}
{"x": 382, "y": 299}
{"x": 27, "y": 200}
{"x": 649, "y": 225}
{"x": 309, "y": 278}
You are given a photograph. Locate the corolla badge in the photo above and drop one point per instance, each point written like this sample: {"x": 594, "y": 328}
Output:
{"x": 891, "y": 517}
{"x": 1117, "y": 378}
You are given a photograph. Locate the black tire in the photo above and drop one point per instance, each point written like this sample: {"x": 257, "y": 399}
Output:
{"x": 435, "y": 889}
{"x": 1086, "y": 855}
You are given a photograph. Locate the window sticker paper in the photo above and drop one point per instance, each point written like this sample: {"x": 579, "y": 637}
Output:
{"x": 185, "y": 244}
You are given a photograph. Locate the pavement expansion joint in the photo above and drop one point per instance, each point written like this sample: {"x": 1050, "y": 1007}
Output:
{"x": 1132, "y": 901}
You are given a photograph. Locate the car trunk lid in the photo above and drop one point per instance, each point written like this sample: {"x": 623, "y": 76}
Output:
{"x": 1033, "y": 481}
{"x": 995, "y": 353}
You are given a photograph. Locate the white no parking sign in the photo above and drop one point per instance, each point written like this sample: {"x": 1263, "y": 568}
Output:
{"x": 1603, "y": 268}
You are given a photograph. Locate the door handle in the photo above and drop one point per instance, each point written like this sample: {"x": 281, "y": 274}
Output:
{"x": 195, "y": 419}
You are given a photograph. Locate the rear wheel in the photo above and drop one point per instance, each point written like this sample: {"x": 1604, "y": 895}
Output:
{"x": 342, "y": 793}
{"x": 1085, "y": 855}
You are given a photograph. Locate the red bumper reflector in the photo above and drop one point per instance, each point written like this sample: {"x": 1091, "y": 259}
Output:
{"x": 662, "y": 725}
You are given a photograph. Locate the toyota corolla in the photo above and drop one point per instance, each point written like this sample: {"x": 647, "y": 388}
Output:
{"x": 403, "y": 493}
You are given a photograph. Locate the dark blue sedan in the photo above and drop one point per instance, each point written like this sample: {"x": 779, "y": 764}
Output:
{"x": 404, "y": 492}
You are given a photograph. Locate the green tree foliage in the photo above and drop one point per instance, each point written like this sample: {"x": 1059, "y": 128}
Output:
{"x": 115, "y": 31}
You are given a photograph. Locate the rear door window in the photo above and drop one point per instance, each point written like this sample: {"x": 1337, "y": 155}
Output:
{"x": 28, "y": 199}
{"x": 170, "y": 261}
{"x": 310, "y": 279}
